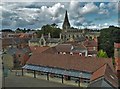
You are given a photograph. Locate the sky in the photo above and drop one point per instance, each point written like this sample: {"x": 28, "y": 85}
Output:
{"x": 33, "y": 15}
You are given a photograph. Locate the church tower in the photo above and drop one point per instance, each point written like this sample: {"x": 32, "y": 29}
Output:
{"x": 66, "y": 24}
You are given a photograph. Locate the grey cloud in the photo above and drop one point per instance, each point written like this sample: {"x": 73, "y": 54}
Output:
{"x": 38, "y": 14}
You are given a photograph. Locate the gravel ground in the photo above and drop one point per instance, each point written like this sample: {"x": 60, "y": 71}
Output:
{"x": 24, "y": 81}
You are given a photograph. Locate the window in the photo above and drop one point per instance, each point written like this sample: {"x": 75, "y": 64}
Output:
{"x": 64, "y": 53}
{"x": 71, "y": 53}
{"x": 80, "y": 54}
{"x": 42, "y": 42}
{"x": 94, "y": 48}
{"x": 19, "y": 55}
{"x": 60, "y": 52}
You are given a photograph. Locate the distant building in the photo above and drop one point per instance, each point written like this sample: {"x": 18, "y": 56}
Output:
{"x": 91, "y": 46}
{"x": 69, "y": 34}
{"x": 45, "y": 41}
{"x": 19, "y": 56}
{"x": 75, "y": 35}
{"x": 16, "y": 39}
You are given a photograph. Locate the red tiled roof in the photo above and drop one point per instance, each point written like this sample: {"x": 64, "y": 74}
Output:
{"x": 76, "y": 44}
{"x": 90, "y": 43}
{"x": 117, "y": 61}
{"x": 37, "y": 49}
{"x": 63, "y": 47}
{"x": 80, "y": 45}
{"x": 117, "y": 45}
{"x": 92, "y": 52}
{"x": 106, "y": 72}
{"x": 99, "y": 73}
{"x": 89, "y": 64}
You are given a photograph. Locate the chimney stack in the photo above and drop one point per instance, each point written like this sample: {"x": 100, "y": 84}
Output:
{"x": 49, "y": 36}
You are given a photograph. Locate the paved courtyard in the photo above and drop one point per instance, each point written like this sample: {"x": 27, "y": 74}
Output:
{"x": 26, "y": 81}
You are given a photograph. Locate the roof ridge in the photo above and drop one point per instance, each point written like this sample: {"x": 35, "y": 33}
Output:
{"x": 100, "y": 67}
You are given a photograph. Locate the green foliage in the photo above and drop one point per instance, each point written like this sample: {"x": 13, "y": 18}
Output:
{"x": 107, "y": 38}
{"x": 7, "y": 30}
{"x": 18, "y": 30}
{"x": 52, "y": 29}
{"x": 102, "y": 54}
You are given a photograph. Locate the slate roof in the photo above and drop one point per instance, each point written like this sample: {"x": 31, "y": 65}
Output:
{"x": 34, "y": 40}
{"x": 63, "y": 47}
{"x": 14, "y": 41}
{"x": 53, "y": 40}
{"x": 14, "y": 50}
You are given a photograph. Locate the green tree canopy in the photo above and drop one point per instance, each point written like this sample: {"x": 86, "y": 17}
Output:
{"x": 107, "y": 38}
{"x": 102, "y": 54}
{"x": 52, "y": 29}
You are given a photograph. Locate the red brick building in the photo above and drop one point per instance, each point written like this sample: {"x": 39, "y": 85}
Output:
{"x": 117, "y": 58}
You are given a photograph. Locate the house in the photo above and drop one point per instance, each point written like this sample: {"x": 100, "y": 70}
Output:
{"x": 9, "y": 34}
{"x": 45, "y": 41}
{"x": 16, "y": 42}
{"x": 28, "y": 35}
{"x": 92, "y": 47}
{"x": 74, "y": 48}
{"x": 117, "y": 58}
{"x": 19, "y": 55}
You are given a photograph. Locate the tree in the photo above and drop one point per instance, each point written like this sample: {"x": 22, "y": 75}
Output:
{"x": 107, "y": 38}
{"x": 102, "y": 54}
{"x": 52, "y": 29}
{"x": 7, "y": 30}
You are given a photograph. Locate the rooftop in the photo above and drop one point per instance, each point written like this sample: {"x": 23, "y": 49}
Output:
{"x": 69, "y": 61}
{"x": 117, "y": 45}
{"x": 106, "y": 72}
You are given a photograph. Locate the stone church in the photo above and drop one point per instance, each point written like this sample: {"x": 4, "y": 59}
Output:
{"x": 68, "y": 34}
{"x": 71, "y": 34}
{"x": 75, "y": 35}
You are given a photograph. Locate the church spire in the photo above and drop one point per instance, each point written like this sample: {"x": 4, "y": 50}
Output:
{"x": 66, "y": 24}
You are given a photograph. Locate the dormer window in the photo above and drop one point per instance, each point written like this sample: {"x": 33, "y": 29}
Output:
{"x": 19, "y": 55}
{"x": 71, "y": 53}
{"x": 64, "y": 53}
{"x": 89, "y": 55}
{"x": 94, "y": 48}
{"x": 80, "y": 54}
{"x": 60, "y": 52}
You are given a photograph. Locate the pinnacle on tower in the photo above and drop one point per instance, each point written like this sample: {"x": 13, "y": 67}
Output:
{"x": 66, "y": 24}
